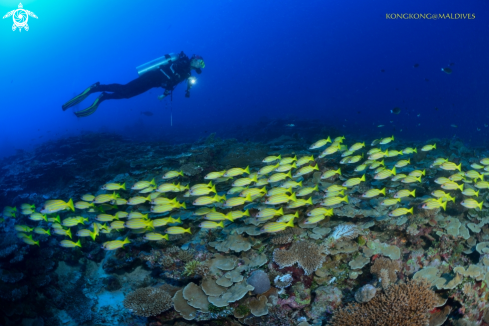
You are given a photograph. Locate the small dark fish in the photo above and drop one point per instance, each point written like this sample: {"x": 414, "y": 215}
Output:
{"x": 446, "y": 70}
{"x": 436, "y": 109}
{"x": 359, "y": 112}
{"x": 426, "y": 79}
{"x": 147, "y": 113}
{"x": 416, "y": 65}
{"x": 396, "y": 110}
{"x": 397, "y": 89}
{"x": 451, "y": 64}
{"x": 382, "y": 70}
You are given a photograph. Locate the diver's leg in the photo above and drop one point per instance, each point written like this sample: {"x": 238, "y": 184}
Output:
{"x": 77, "y": 99}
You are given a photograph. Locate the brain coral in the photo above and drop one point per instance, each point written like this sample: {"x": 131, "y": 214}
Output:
{"x": 146, "y": 302}
{"x": 306, "y": 253}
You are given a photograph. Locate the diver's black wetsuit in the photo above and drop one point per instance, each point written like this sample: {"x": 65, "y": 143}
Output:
{"x": 166, "y": 76}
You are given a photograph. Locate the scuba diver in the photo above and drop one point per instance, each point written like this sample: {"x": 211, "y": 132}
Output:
{"x": 167, "y": 72}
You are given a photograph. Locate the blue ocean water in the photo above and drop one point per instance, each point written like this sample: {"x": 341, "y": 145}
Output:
{"x": 340, "y": 64}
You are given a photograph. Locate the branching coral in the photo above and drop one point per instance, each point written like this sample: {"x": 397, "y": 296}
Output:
{"x": 146, "y": 302}
{"x": 390, "y": 266}
{"x": 306, "y": 253}
{"x": 286, "y": 236}
{"x": 400, "y": 305}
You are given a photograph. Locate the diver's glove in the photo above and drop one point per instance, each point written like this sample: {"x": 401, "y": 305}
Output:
{"x": 165, "y": 94}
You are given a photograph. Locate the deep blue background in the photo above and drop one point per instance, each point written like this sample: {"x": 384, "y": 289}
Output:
{"x": 318, "y": 60}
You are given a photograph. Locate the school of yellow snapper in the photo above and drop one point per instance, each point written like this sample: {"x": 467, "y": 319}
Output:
{"x": 275, "y": 181}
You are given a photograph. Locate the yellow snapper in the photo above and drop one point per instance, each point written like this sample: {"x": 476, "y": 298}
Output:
{"x": 168, "y": 187}
{"x": 253, "y": 192}
{"x": 484, "y": 161}
{"x": 417, "y": 173}
{"x": 386, "y": 140}
{"x": 63, "y": 232}
{"x": 86, "y": 233}
{"x": 236, "y": 201}
{"x": 203, "y": 191}
{"x": 26, "y": 211}
{"x": 163, "y": 201}
{"x": 206, "y": 200}
{"x": 305, "y": 170}
{"x": 427, "y": 148}
{"x": 120, "y": 201}
{"x": 204, "y": 210}
{"x": 450, "y": 185}
{"x": 354, "y": 159}
{"x": 267, "y": 169}
{"x": 320, "y": 143}
{"x": 70, "y": 244}
{"x": 285, "y": 167}
{"x": 74, "y": 221}
{"x": 289, "y": 184}
{"x": 390, "y": 201}
{"x": 167, "y": 207}
{"x": 270, "y": 212}
{"x": 214, "y": 175}
{"x": 356, "y": 146}
{"x": 236, "y": 171}
{"x": 393, "y": 153}
{"x": 218, "y": 216}
{"x": 172, "y": 174}
{"x": 334, "y": 201}
{"x": 384, "y": 174}
{"x": 280, "y": 199}
{"x": 143, "y": 184}
{"x": 104, "y": 198}
{"x": 314, "y": 219}
{"x": 405, "y": 193}
{"x": 270, "y": 159}
{"x": 235, "y": 190}
{"x": 153, "y": 236}
{"x": 402, "y": 163}
{"x": 471, "y": 203}
{"x": 104, "y": 218}
{"x": 273, "y": 227}
{"x": 305, "y": 159}
{"x": 147, "y": 190}
{"x": 83, "y": 205}
{"x": 470, "y": 192}
{"x": 373, "y": 192}
{"x": 114, "y": 186}
{"x": 476, "y": 166}
{"x": 374, "y": 150}
{"x": 361, "y": 167}
{"x": 53, "y": 206}
{"x": 288, "y": 217}
{"x": 88, "y": 197}
{"x": 482, "y": 185}
{"x": 164, "y": 221}
{"x": 330, "y": 194}
{"x": 339, "y": 139}
{"x": 450, "y": 166}
{"x": 376, "y": 156}
{"x": 41, "y": 231}
{"x": 136, "y": 215}
{"x": 177, "y": 230}
{"x": 435, "y": 204}
{"x": 238, "y": 214}
{"x": 121, "y": 214}
{"x": 320, "y": 211}
{"x": 30, "y": 241}
{"x": 287, "y": 160}
{"x": 306, "y": 191}
{"x": 376, "y": 164}
{"x": 299, "y": 203}
{"x": 279, "y": 177}
{"x": 438, "y": 161}
{"x": 411, "y": 179}
{"x": 400, "y": 211}
{"x": 138, "y": 223}
{"x": 211, "y": 225}
{"x": 38, "y": 217}
{"x": 115, "y": 244}
{"x": 409, "y": 150}
{"x": 27, "y": 206}
{"x": 329, "y": 150}
{"x": 244, "y": 181}
{"x": 459, "y": 176}
{"x": 335, "y": 188}
{"x": 138, "y": 200}
{"x": 278, "y": 191}
{"x": 474, "y": 175}
{"x": 353, "y": 181}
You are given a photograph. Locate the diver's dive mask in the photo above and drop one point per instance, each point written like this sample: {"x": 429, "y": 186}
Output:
{"x": 197, "y": 62}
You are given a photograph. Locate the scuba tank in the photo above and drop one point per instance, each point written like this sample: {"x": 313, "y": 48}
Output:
{"x": 153, "y": 64}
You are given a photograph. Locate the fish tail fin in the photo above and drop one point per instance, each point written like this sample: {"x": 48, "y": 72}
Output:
{"x": 459, "y": 167}
{"x": 412, "y": 193}
{"x": 78, "y": 243}
{"x": 183, "y": 205}
{"x": 221, "y": 224}
{"x": 180, "y": 173}
{"x": 70, "y": 205}
{"x": 434, "y": 145}
{"x": 296, "y": 214}
{"x": 247, "y": 170}
{"x": 316, "y": 187}
{"x": 44, "y": 217}
{"x": 309, "y": 200}
{"x": 338, "y": 171}
{"x": 444, "y": 205}
{"x": 362, "y": 178}
{"x": 165, "y": 237}
{"x": 178, "y": 220}
{"x": 345, "y": 199}
{"x": 315, "y": 167}
{"x": 477, "y": 193}
{"x": 293, "y": 165}
{"x": 393, "y": 170}
{"x": 213, "y": 189}
{"x": 289, "y": 175}
{"x": 48, "y": 232}
{"x": 264, "y": 189}
{"x": 392, "y": 137}
{"x": 280, "y": 211}
{"x": 419, "y": 179}
{"x": 279, "y": 157}
{"x": 480, "y": 205}
{"x": 293, "y": 197}
{"x": 248, "y": 198}
{"x": 290, "y": 223}
{"x": 461, "y": 187}
{"x": 383, "y": 191}
{"x": 188, "y": 231}
{"x": 126, "y": 240}
{"x": 68, "y": 233}
{"x": 153, "y": 182}
{"x": 411, "y": 210}
{"x": 123, "y": 186}
{"x": 300, "y": 184}
{"x": 37, "y": 243}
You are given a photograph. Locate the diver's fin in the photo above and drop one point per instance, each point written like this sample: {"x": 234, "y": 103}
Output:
{"x": 77, "y": 99}
{"x": 91, "y": 109}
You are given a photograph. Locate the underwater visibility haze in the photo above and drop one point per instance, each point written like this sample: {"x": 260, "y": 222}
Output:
{"x": 244, "y": 163}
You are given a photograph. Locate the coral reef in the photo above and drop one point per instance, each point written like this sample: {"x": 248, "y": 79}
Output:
{"x": 148, "y": 302}
{"x": 308, "y": 255}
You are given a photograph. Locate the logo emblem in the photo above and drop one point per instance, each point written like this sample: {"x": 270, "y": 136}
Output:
{"x": 20, "y": 17}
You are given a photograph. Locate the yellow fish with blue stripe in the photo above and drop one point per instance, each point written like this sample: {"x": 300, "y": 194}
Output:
{"x": 115, "y": 244}
{"x": 273, "y": 227}
{"x": 53, "y": 206}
